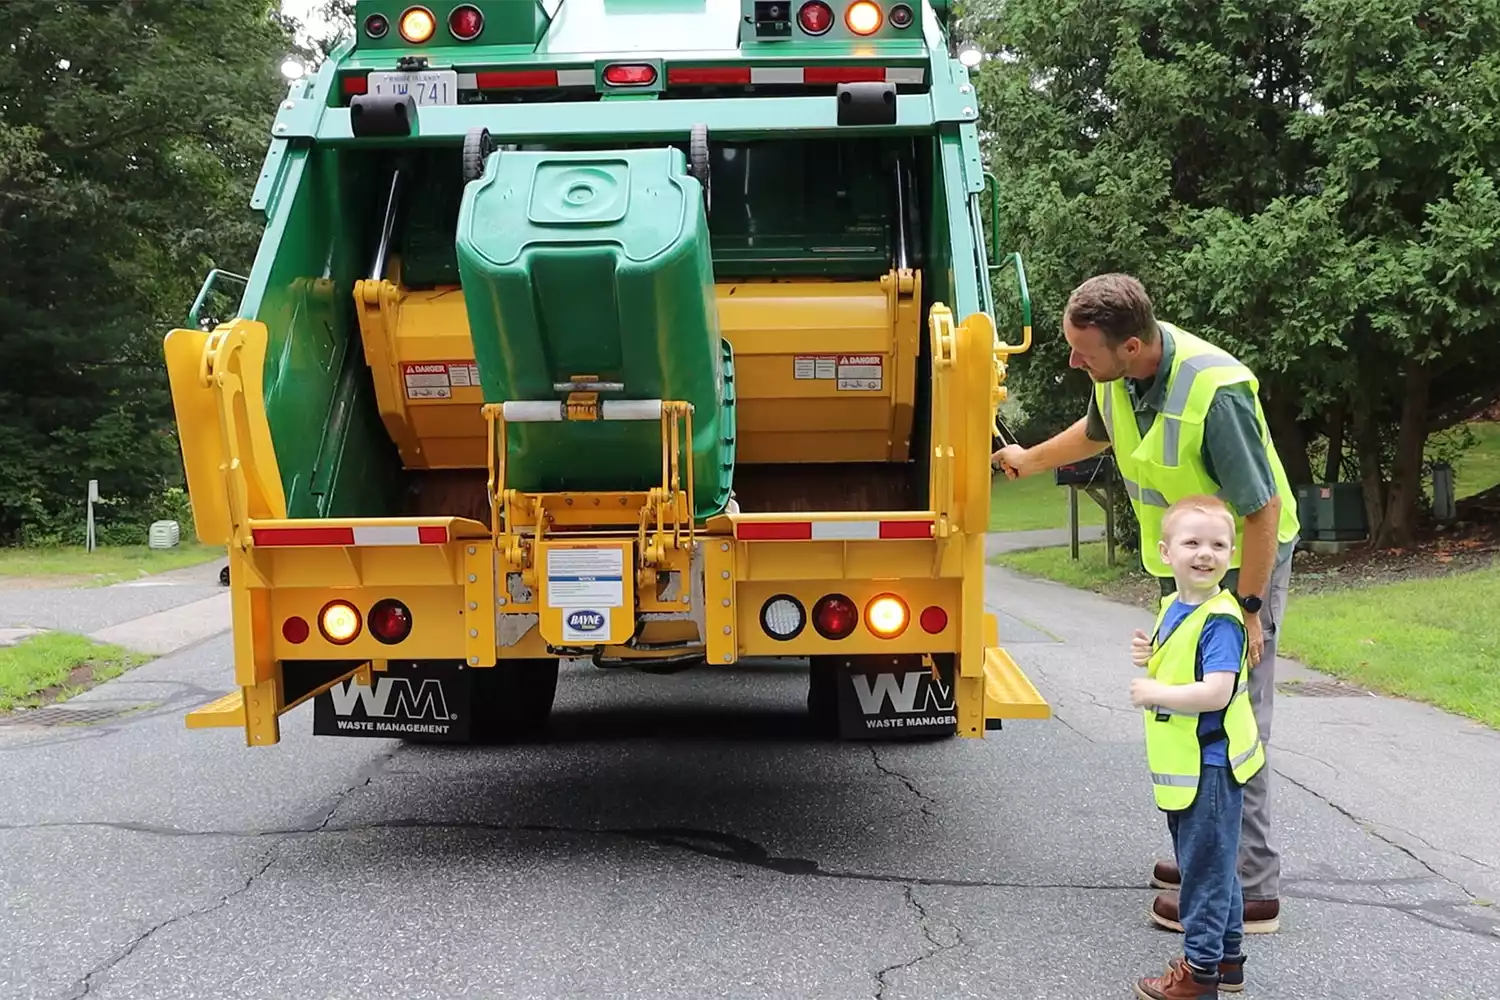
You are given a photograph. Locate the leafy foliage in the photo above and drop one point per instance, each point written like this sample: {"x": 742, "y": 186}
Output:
{"x": 131, "y": 134}
{"x": 1310, "y": 183}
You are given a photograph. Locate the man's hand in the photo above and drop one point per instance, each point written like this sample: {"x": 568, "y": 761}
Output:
{"x": 1257, "y": 638}
{"x": 1145, "y": 691}
{"x": 1140, "y": 648}
{"x": 1012, "y": 459}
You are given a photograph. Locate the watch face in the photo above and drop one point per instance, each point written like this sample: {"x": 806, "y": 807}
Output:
{"x": 1250, "y": 603}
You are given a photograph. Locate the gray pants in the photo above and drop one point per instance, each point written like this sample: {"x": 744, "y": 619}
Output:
{"x": 1260, "y": 863}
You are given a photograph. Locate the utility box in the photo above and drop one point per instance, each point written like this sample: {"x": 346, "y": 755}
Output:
{"x": 1332, "y": 512}
{"x": 164, "y": 535}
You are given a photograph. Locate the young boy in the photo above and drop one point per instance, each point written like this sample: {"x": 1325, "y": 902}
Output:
{"x": 1202, "y": 744}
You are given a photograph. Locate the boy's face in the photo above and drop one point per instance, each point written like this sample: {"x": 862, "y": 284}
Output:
{"x": 1198, "y": 548}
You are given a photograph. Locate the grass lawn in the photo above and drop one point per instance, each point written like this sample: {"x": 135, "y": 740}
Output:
{"x": 1478, "y": 468}
{"x": 54, "y": 666}
{"x": 103, "y": 566}
{"x": 1431, "y": 638}
{"x": 1034, "y": 503}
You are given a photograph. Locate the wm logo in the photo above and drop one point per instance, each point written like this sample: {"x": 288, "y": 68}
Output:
{"x": 425, "y": 702}
{"x": 900, "y": 692}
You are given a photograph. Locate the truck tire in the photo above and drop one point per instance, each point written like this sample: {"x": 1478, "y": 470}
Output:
{"x": 698, "y": 165}
{"x": 513, "y": 700}
{"x": 478, "y": 145}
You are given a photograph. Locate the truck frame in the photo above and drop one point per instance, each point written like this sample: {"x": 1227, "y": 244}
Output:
{"x": 641, "y": 334}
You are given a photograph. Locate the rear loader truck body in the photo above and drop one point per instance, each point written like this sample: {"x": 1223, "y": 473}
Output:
{"x": 651, "y": 334}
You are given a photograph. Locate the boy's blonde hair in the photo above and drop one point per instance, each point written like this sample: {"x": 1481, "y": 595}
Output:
{"x": 1203, "y": 504}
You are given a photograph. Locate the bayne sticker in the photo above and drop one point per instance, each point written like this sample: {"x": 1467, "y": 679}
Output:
{"x": 585, "y": 624}
{"x": 892, "y": 705}
{"x": 429, "y": 703}
{"x": 438, "y": 379}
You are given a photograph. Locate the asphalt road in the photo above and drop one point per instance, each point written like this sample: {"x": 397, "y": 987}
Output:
{"x": 681, "y": 837}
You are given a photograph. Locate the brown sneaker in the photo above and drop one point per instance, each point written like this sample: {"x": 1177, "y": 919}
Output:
{"x": 1232, "y": 975}
{"x": 1181, "y": 982}
{"x": 1262, "y": 916}
{"x": 1166, "y": 875}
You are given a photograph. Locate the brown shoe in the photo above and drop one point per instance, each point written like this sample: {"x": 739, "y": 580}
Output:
{"x": 1181, "y": 982}
{"x": 1166, "y": 875}
{"x": 1262, "y": 916}
{"x": 1232, "y": 975}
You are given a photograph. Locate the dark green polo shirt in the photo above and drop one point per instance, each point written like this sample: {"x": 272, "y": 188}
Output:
{"x": 1233, "y": 453}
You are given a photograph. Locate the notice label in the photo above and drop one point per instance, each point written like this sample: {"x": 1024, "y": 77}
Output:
{"x": 822, "y": 366}
{"x": 438, "y": 379}
{"x": 586, "y": 578}
{"x": 861, "y": 372}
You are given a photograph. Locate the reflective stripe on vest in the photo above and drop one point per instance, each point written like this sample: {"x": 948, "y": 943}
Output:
{"x": 1173, "y": 746}
{"x": 1165, "y": 464}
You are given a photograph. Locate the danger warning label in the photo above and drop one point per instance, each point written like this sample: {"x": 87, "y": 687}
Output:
{"x": 849, "y": 372}
{"x": 438, "y": 379}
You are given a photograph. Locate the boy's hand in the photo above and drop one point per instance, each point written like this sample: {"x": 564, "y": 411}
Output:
{"x": 1145, "y": 691}
{"x": 1140, "y": 648}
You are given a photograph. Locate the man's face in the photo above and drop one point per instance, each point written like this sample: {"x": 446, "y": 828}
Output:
{"x": 1198, "y": 548}
{"x": 1092, "y": 353}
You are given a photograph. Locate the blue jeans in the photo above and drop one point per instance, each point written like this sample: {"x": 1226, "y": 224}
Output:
{"x": 1206, "y": 838}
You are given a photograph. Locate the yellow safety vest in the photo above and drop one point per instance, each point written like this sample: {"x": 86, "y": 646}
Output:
{"x": 1167, "y": 465}
{"x": 1173, "y": 748}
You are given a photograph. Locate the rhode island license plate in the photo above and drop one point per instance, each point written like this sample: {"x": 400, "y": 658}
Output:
{"x": 427, "y": 87}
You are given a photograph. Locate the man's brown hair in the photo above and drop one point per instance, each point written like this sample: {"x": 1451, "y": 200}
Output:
{"x": 1115, "y": 303}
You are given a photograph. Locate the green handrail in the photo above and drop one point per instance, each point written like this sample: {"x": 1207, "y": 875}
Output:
{"x": 1025, "y": 308}
{"x": 994, "y": 186}
{"x": 193, "y": 318}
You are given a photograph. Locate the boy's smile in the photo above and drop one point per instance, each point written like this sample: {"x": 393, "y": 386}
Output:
{"x": 1198, "y": 548}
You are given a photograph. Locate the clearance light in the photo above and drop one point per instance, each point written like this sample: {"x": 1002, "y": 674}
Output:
{"x": 623, "y": 75}
{"x": 465, "y": 23}
{"x": 835, "y": 617}
{"x": 887, "y": 616}
{"x": 295, "y": 630}
{"x": 417, "y": 25}
{"x": 376, "y": 26}
{"x": 934, "y": 620}
{"x": 863, "y": 17}
{"x": 390, "y": 621}
{"x": 339, "y": 622}
{"x": 815, "y": 17}
{"x": 902, "y": 16}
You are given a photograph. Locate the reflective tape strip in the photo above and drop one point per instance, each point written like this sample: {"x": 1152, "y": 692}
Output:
{"x": 1163, "y": 710}
{"x": 1237, "y": 761}
{"x": 822, "y": 75}
{"x": 1109, "y": 410}
{"x": 343, "y": 536}
{"x": 1174, "y": 780}
{"x": 575, "y": 78}
{"x": 775, "y": 74}
{"x": 1177, "y": 399}
{"x": 898, "y": 74}
{"x": 468, "y": 81}
{"x": 1145, "y": 495}
{"x": 832, "y": 531}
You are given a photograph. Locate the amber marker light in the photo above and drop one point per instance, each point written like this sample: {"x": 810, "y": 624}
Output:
{"x": 339, "y": 622}
{"x": 887, "y": 616}
{"x": 417, "y": 25}
{"x": 863, "y": 17}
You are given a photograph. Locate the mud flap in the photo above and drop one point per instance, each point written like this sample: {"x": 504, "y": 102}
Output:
{"x": 431, "y": 702}
{"x": 884, "y": 702}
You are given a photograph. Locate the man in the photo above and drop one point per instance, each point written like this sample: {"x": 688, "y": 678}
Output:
{"x": 1183, "y": 418}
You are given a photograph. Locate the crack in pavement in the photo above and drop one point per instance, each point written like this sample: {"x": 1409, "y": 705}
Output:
{"x": 924, "y": 923}
{"x": 926, "y": 800}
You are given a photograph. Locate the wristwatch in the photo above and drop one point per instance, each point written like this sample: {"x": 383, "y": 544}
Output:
{"x": 1251, "y": 604}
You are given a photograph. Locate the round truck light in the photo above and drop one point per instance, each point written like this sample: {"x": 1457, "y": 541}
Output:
{"x": 815, "y": 17}
{"x": 934, "y": 620}
{"x": 783, "y": 617}
{"x": 390, "y": 621}
{"x": 465, "y": 23}
{"x": 295, "y": 630}
{"x": 887, "y": 616}
{"x": 417, "y": 25}
{"x": 835, "y": 617}
{"x": 376, "y": 26}
{"x": 339, "y": 622}
{"x": 901, "y": 16}
{"x": 863, "y": 17}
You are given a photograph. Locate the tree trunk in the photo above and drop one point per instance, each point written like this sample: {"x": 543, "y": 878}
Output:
{"x": 1287, "y": 433}
{"x": 1399, "y": 529}
{"x": 1333, "y": 464}
{"x": 1367, "y": 450}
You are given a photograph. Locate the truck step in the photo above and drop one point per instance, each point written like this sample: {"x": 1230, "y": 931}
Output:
{"x": 227, "y": 712}
{"x": 1008, "y": 693}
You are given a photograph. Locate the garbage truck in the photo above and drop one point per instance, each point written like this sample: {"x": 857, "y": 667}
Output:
{"x": 651, "y": 335}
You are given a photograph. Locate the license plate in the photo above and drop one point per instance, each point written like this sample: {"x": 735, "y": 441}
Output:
{"x": 427, "y": 88}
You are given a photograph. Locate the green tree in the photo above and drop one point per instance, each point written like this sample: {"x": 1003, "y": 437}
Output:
{"x": 131, "y": 134}
{"x": 1311, "y": 183}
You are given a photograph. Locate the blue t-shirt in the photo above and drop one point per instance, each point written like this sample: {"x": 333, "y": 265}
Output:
{"x": 1220, "y": 648}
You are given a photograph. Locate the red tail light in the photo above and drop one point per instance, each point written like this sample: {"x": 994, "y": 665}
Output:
{"x": 390, "y": 622}
{"x": 934, "y": 620}
{"x": 815, "y": 17}
{"x": 630, "y": 75}
{"x": 465, "y": 23}
{"x": 835, "y": 616}
{"x": 295, "y": 630}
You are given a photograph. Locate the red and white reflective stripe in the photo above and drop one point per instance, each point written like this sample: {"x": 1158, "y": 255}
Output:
{"x": 702, "y": 76}
{"x": 515, "y": 79}
{"x": 349, "y": 535}
{"x": 830, "y": 531}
